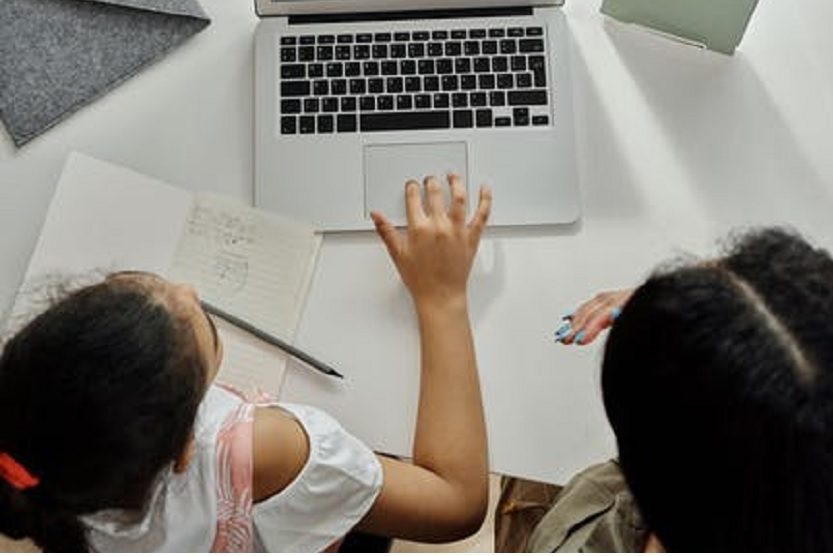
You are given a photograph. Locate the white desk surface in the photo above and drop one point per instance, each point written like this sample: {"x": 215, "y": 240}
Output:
{"x": 676, "y": 147}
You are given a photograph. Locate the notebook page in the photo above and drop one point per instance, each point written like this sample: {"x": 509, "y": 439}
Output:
{"x": 252, "y": 264}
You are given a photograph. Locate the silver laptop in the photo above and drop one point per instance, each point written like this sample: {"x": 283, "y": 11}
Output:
{"x": 354, "y": 97}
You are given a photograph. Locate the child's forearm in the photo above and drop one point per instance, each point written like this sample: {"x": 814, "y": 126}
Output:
{"x": 450, "y": 437}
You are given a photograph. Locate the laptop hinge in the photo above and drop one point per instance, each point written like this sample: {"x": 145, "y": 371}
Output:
{"x": 409, "y": 15}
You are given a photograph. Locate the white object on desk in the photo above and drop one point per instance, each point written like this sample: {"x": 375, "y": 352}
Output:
{"x": 104, "y": 217}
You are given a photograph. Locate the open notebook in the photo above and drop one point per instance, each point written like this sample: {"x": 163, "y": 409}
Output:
{"x": 257, "y": 266}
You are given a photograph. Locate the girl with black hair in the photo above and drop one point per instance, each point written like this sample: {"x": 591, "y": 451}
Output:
{"x": 113, "y": 436}
{"x": 717, "y": 380}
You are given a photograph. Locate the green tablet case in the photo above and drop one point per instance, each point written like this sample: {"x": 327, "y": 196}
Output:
{"x": 716, "y": 24}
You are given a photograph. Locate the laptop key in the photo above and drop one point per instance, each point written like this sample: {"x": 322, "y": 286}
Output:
{"x": 431, "y": 83}
{"x": 477, "y": 33}
{"x": 468, "y": 82}
{"x": 482, "y": 65}
{"x": 478, "y": 99}
{"x": 291, "y": 106}
{"x": 352, "y": 69}
{"x": 497, "y": 33}
{"x": 335, "y": 69}
{"x": 531, "y": 45}
{"x": 540, "y": 77}
{"x": 394, "y": 85}
{"x": 462, "y": 65}
{"x": 288, "y": 41}
{"x": 367, "y": 104}
{"x": 402, "y": 36}
{"x": 390, "y": 68}
{"x": 458, "y": 34}
{"x": 453, "y": 48}
{"x": 534, "y": 31}
{"x": 463, "y": 118}
{"x": 398, "y": 121}
{"x": 380, "y": 51}
{"x": 326, "y": 39}
{"x": 329, "y": 104}
{"x": 441, "y": 100}
{"x": 397, "y": 50}
{"x": 435, "y": 49}
{"x": 540, "y": 120}
{"x": 382, "y": 37}
{"x": 515, "y": 32}
{"x": 325, "y": 124}
{"x": 321, "y": 87}
{"x": 422, "y": 101}
{"x": 307, "y": 39}
{"x": 523, "y": 80}
{"x": 311, "y": 105}
{"x": 288, "y": 125}
{"x": 483, "y": 117}
{"x": 471, "y": 48}
{"x": 371, "y": 69}
{"x": 503, "y": 122}
{"x": 416, "y": 50}
{"x": 505, "y": 81}
{"x": 384, "y": 102}
{"x": 508, "y": 46}
{"x": 361, "y": 51}
{"x": 489, "y": 47}
{"x": 445, "y": 66}
{"x": 288, "y": 54}
{"x": 293, "y": 71}
{"x": 404, "y": 102}
{"x": 324, "y": 53}
{"x": 450, "y": 83}
{"x": 413, "y": 84}
{"x": 420, "y": 35}
{"x": 439, "y": 35}
{"x": 364, "y": 38}
{"x": 497, "y": 98}
{"x": 346, "y": 123}
{"x": 315, "y": 70}
{"x": 295, "y": 88}
{"x": 460, "y": 100}
{"x": 342, "y": 52}
{"x": 425, "y": 67}
{"x": 520, "y": 116}
{"x": 307, "y": 124}
{"x": 500, "y": 64}
{"x": 306, "y": 54}
{"x": 344, "y": 39}
{"x": 358, "y": 86}
{"x": 376, "y": 85}
{"x": 407, "y": 67}
{"x": 338, "y": 86}
{"x": 486, "y": 81}
{"x": 533, "y": 97}
{"x": 348, "y": 104}
{"x": 518, "y": 63}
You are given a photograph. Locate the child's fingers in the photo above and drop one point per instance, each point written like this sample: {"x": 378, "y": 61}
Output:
{"x": 481, "y": 216}
{"x": 434, "y": 194}
{"x": 595, "y": 315}
{"x": 390, "y": 237}
{"x": 458, "y": 199}
{"x": 413, "y": 203}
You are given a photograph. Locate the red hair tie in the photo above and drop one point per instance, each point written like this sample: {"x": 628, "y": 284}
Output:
{"x": 15, "y": 474}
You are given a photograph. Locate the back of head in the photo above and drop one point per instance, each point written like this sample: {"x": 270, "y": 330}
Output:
{"x": 718, "y": 382}
{"x": 97, "y": 395}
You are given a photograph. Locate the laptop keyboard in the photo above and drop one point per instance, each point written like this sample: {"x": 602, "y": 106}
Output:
{"x": 395, "y": 81}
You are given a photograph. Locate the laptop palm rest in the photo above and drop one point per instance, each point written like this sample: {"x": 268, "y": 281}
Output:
{"x": 388, "y": 166}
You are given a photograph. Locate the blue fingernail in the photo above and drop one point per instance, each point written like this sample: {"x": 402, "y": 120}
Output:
{"x": 579, "y": 337}
{"x": 615, "y": 312}
{"x": 563, "y": 332}
{"x": 568, "y": 317}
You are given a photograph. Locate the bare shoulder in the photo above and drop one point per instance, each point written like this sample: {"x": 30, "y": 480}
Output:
{"x": 280, "y": 451}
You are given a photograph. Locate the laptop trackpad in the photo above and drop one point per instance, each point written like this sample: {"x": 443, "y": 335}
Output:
{"x": 388, "y": 167}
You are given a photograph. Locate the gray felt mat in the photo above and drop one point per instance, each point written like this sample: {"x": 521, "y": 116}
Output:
{"x": 56, "y": 56}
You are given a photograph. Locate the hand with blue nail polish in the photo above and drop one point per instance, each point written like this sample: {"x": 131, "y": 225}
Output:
{"x": 595, "y": 315}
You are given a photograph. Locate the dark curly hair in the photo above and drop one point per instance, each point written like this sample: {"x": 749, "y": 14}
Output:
{"x": 718, "y": 382}
{"x": 98, "y": 395}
